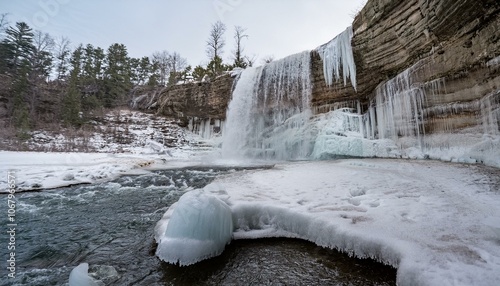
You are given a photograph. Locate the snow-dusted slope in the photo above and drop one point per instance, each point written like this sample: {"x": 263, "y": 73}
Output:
{"x": 126, "y": 142}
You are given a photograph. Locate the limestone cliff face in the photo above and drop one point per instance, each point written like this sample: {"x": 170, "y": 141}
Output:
{"x": 456, "y": 42}
{"x": 449, "y": 48}
{"x": 201, "y": 100}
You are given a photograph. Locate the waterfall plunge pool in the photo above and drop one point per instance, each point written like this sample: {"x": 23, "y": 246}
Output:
{"x": 110, "y": 226}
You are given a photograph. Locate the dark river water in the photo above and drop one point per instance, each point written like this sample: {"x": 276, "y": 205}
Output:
{"x": 110, "y": 226}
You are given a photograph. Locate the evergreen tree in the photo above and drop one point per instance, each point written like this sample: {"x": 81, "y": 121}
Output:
{"x": 144, "y": 70}
{"x": 17, "y": 50}
{"x": 118, "y": 82}
{"x": 134, "y": 70}
{"x": 71, "y": 103}
{"x": 92, "y": 72}
{"x": 99, "y": 59}
{"x": 216, "y": 67}
{"x": 88, "y": 71}
{"x": 199, "y": 73}
{"x": 19, "y": 41}
{"x": 6, "y": 56}
{"x": 20, "y": 113}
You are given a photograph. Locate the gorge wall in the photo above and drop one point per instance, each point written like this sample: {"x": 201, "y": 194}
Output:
{"x": 456, "y": 42}
{"x": 196, "y": 101}
{"x": 423, "y": 67}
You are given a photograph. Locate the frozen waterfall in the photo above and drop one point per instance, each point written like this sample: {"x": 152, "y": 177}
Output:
{"x": 267, "y": 115}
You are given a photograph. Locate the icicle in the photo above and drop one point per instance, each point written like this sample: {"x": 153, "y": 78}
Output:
{"x": 398, "y": 109}
{"x": 490, "y": 113}
{"x": 338, "y": 53}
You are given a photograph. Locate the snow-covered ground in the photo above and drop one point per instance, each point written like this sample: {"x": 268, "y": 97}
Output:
{"x": 438, "y": 223}
{"x": 126, "y": 142}
{"x": 34, "y": 170}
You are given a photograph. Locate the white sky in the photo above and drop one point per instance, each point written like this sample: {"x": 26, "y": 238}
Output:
{"x": 275, "y": 27}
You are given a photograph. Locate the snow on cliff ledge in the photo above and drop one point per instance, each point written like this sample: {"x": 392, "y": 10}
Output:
{"x": 438, "y": 223}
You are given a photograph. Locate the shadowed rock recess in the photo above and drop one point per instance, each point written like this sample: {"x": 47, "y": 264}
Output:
{"x": 442, "y": 55}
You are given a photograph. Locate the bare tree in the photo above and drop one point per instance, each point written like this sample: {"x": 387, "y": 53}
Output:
{"x": 267, "y": 59}
{"x": 216, "y": 42}
{"x": 176, "y": 65}
{"x": 42, "y": 54}
{"x": 251, "y": 60}
{"x": 239, "y": 34}
{"x": 162, "y": 61}
{"x": 43, "y": 42}
{"x": 4, "y": 22}
{"x": 176, "y": 62}
{"x": 62, "y": 53}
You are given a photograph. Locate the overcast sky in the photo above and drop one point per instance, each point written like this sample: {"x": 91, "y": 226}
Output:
{"x": 275, "y": 27}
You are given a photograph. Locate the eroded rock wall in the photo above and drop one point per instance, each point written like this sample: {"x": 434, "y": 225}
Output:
{"x": 456, "y": 42}
{"x": 201, "y": 100}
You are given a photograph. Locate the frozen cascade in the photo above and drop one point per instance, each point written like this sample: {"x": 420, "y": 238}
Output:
{"x": 269, "y": 111}
{"x": 398, "y": 108}
{"x": 336, "y": 54}
{"x": 401, "y": 114}
{"x": 206, "y": 128}
{"x": 199, "y": 227}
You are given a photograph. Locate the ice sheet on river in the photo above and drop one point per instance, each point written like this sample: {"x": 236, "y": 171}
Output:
{"x": 438, "y": 223}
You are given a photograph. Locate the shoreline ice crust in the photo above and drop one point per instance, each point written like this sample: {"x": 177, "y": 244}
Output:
{"x": 431, "y": 220}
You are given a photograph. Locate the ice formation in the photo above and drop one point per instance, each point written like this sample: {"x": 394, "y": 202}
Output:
{"x": 340, "y": 133}
{"x": 206, "y": 128}
{"x": 79, "y": 276}
{"x": 199, "y": 227}
{"x": 269, "y": 110}
{"x": 400, "y": 111}
{"x": 393, "y": 214}
{"x": 337, "y": 54}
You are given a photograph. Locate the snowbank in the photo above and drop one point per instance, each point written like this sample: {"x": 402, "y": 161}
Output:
{"x": 433, "y": 221}
{"x": 200, "y": 227}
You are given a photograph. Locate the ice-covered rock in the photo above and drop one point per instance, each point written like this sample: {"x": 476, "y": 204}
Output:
{"x": 198, "y": 228}
{"x": 79, "y": 276}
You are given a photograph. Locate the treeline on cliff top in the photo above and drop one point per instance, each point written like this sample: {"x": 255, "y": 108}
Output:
{"x": 46, "y": 80}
